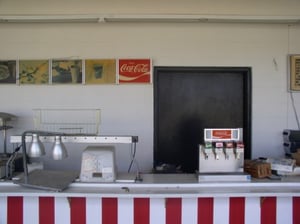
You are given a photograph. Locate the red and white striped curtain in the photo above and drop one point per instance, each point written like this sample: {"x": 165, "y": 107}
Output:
{"x": 91, "y": 210}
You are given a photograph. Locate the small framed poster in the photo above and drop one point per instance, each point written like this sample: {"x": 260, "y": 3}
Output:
{"x": 66, "y": 71}
{"x": 294, "y": 81}
{"x": 34, "y": 71}
{"x": 135, "y": 71}
{"x": 100, "y": 71}
{"x": 8, "y": 72}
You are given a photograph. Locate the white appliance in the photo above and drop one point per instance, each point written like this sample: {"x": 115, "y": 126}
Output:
{"x": 221, "y": 158}
{"x": 98, "y": 164}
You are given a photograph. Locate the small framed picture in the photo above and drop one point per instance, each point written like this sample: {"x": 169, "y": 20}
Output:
{"x": 34, "y": 71}
{"x": 66, "y": 71}
{"x": 8, "y": 72}
{"x": 100, "y": 71}
{"x": 294, "y": 78}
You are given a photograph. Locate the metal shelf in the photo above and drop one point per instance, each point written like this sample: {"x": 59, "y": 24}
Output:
{"x": 81, "y": 139}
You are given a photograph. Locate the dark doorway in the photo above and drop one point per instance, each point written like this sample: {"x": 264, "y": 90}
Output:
{"x": 189, "y": 99}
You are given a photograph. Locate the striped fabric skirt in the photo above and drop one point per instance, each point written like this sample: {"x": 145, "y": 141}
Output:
{"x": 101, "y": 210}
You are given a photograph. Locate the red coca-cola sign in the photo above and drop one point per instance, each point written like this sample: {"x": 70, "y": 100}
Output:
{"x": 134, "y": 70}
{"x": 222, "y": 134}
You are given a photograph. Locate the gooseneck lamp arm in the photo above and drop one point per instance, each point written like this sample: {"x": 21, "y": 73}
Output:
{"x": 25, "y": 168}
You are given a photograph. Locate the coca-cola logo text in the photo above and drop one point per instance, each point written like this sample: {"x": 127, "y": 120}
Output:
{"x": 136, "y": 68}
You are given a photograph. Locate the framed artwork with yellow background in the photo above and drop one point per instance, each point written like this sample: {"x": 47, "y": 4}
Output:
{"x": 34, "y": 72}
{"x": 294, "y": 82}
{"x": 100, "y": 71}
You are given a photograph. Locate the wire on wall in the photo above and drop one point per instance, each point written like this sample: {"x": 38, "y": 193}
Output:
{"x": 295, "y": 110}
{"x": 291, "y": 92}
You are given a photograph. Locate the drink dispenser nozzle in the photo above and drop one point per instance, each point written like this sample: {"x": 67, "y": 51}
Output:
{"x": 207, "y": 150}
{"x": 228, "y": 150}
{"x": 239, "y": 150}
{"x": 218, "y": 149}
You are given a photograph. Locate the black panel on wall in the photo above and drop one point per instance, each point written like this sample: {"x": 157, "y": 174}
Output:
{"x": 189, "y": 99}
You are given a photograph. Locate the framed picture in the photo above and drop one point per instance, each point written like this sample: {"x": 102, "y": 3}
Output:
{"x": 8, "y": 72}
{"x": 34, "y": 71}
{"x": 66, "y": 71}
{"x": 294, "y": 81}
{"x": 100, "y": 71}
{"x": 135, "y": 71}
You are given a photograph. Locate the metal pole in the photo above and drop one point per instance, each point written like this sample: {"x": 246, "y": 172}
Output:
{"x": 24, "y": 157}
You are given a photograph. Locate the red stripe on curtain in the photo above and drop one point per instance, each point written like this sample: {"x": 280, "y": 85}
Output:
{"x": 173, "y": 210}
{"x": 296, "y": 210}
{"x": 109, "y": 211}
{"x": 77, "y": 210}
{"x": 141, "y": 210}
{"x": 205, "y": 210}
{"x": 14, "y": 210}
{"x": 237, "y": 210}
{"x": 46, "y": 210}
{"x": 268, "y": 210}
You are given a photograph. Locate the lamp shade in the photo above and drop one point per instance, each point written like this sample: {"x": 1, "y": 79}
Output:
{"x": 36, "y": 148}
{"x": 59, "y": 150}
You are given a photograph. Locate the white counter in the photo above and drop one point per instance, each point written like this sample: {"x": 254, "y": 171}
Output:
{"x": 167, "y": 185}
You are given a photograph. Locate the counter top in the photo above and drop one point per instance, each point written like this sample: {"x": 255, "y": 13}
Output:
{"x": 166, "y": 185}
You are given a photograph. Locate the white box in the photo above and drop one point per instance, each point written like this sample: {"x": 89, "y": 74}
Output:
{"x": 282, "y": 164}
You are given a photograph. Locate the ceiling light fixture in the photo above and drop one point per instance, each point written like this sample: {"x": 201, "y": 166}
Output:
{"x": 49, "y": 19}
{"x": 149, "y": 18}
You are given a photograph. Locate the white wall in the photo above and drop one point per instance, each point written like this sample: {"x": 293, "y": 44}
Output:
{"x": 128, "y": 109}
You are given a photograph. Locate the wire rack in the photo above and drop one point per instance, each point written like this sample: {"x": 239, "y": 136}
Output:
{"x": 69, "y": 121}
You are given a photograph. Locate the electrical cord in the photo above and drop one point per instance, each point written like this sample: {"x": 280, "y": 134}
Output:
{"x": 132, "y": 155}
{"x": 133, "y": 160}
{"x": 9, "y": 163}
{"x": 295, "y": 110}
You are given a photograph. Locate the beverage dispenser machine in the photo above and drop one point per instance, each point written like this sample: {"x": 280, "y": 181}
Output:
{"x": 221, "y": 157}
